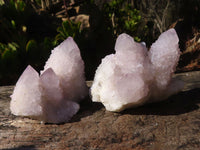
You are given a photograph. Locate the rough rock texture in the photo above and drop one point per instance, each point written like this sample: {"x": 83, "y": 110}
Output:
{"x": 52, "y": 97}
{"x": 133, "y": 75}
{"x": 173, "y": 124}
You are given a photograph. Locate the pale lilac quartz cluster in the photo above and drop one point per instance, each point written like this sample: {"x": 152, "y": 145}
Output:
{"x": 52, "y": 96}
{"x": 134, "y": 76}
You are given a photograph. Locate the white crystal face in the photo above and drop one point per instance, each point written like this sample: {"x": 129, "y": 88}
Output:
{"x": 52, "y": 97}
{"x": 164, "y": 55}
{"x": 27, "y": 94}
{"x": 68, "y": 65}
{"x": 133, "y": 75}
{"x": 51, "y": 90}
{"x": 56, "y": 108}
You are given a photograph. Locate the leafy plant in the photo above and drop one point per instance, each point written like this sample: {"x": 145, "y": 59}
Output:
{"x": 124, "y": 18}
{"x": 68, "y": 28}
{"x": 8, "y": 59}
{"x": 2, "y": 2}
{"x": 18, "y": 46}
{"x": 8, "y": 52}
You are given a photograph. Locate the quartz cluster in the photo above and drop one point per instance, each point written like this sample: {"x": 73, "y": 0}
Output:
{"x": 52, "y": 96}
{"x": 134, "y": 76}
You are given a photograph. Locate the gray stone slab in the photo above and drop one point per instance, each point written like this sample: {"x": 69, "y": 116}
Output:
{"x": 168, "y": 125}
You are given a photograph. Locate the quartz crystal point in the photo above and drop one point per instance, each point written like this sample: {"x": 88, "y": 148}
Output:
{"x": 68, "y": 65}
{"x": 52, "y": 97}
{"x": 134, "y": 76}
{"x": 55, "y": 108}
{"x": 26, "y": 98}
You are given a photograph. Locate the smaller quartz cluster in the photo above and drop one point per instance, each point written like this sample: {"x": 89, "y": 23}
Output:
{"x": 52, "y": 96}
{"x": 134, "y": 76}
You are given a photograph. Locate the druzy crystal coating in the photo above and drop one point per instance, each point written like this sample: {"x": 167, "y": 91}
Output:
{"x": 134, "y": 76}
{"x": 52, "y": 96}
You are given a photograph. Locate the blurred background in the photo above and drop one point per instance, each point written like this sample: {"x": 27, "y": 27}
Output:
{"x": 30, "y": 29}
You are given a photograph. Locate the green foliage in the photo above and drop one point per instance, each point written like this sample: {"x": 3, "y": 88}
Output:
{"x": 68, "y": 28}
{"x": 8, "y": 52}
{"x": 2, "y": 2}
{"x": 32, "y": 50}
{"x": 123, "y": 17}
{"x": 24, "y": 40}
{"x": 31, "y": 45}
{"x": 20, "y": 5}
{"x": 13, "y": 20}
{"x": 8, "y": 58}
{"x": 37, "y": 53}
{"x": 17, "y": 47}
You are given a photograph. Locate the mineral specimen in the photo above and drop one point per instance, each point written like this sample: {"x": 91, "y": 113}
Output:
{"x": 134, "y": 76}
{"x": 68, "y": 65}
{"x": 52, "y": 97}
{"x": 26, "y": 98}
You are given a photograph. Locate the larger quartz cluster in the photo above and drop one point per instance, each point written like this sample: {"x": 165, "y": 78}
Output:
{"x": 133, "y": 75}
{"x": 52, "y": 96}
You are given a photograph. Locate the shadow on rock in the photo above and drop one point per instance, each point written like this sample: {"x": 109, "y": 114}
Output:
{"x": 87, "y": 108}
{"x": 29, "y": 147}
{"x": 180, "y": 103}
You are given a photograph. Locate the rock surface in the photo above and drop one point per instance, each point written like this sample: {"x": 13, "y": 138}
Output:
{"x": 172, "y": 124}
